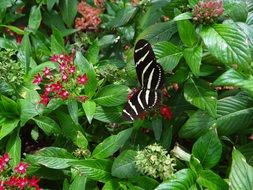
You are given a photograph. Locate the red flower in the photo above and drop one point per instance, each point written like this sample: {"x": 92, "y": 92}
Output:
{"x": 6, "y": 158}
{"x": 56, "y": 87}
{"x": 33, "y": 182}
{"x": 37, "y": 79}
{"x": 48, "y": 89}
{"x": 64, "y": 77}
{"x": 22, "y": 182}
{"x": 46, "y": 71}
{"x": 82, "y": 79}
{"x": 166, "y": 112}
{"x": 64, "y": 94}
{"x": 72, "y": 69}
{"x": 44, "y": 99}
{"x": 21, "y": 168}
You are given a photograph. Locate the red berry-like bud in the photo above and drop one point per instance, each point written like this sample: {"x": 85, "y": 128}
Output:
{"x": 166, "y": 112}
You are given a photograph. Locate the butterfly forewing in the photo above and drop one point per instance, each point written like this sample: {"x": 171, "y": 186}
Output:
{"x": 149, "y": 72}
{"x": 151, "y": 77}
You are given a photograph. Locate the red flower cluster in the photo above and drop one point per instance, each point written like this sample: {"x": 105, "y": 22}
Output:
{"x": 64, "y": 84}
{"x": 166, "y": 112}
{"x": 17, "y": 178}
{"x": 208, "y": 11}
{"x": 90, "y": 17}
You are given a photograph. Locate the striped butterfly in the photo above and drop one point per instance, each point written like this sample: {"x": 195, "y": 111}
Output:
{"x": 151, "y": 77}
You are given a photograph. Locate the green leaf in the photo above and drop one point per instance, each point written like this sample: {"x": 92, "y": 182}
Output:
{"x": 112, "y": 95}
{"x": 81, "y": 141}
{"x": 241, "y": 174}
{"x": 48, "y": 125}
{"x": 92, "y": 52}
{"x": 109, "y": 114}
{"x": 51, "y": 3}
{"x": 111, "y": 144}
{"x": 212, "y": 181}
{"x": 14, "y": 29}
{"x": 10, "y": 106}
{"x": 14, "y": 148}
{"x": 68, "y": 11}
{"x": 168, "y": 55}
{"x": 5, "y": 4}
{"x": 34, "y": 18}
{"x": 247, "y": 151}
{"x": 57, "y": 42}
{"x": 157, "y": 126}
{"x": 162, "y": 31}
{"x": 79, "y": 182}
{"x": 7, "y": 43}
{"x": 73, "y": 110}
{"x": 85, "y": 67}
{"x": 183, "y": 180}
{"x": 114, "y": 184}
{"x": 30, "y": 106}
{"x": 232, "y": 112}
{"x": 89, "y": 108}
{"x": 193, "y": 58}
{"x": 208, "y": 149}
{"x": 186, "y": 32}
{"x": 25, "y": 52}
{"x": 7, "y": 127}
{"x": 199, "y": 94}
{"x": 95, "y": 169}
{"x": 183, "y": 16}
{"x": 236, "y": 10}
{"x": 196, "y": 125}
{"x": 123, "y": 16}
{"x": 52, "y": 157}
{"x": 227, "y": 44}
{"x": 144, "y": 182}
{"x": 124, "y": 165}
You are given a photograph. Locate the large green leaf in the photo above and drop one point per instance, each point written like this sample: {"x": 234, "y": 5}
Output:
{"x": 85, "y": 67}
{"x": 68, "y": 11}
{"x": 79, "y": 182}
{"x": 187, "y": 32}
{"x": 92, "y": 52}
{"x": 30, "y": 106}
{"x": 232, "y": 112}
{"x": 168, "y": 55}
{"x": 197, "y": 125}
{"x": 237, "y": 10}
{"x": 111, "y": 144}
{"x": 7, "y": 127}
{"x": 227, "y": 44}
{"x": 162, "y": 31}
{"x": 25, "y": 52}
{"x": 144, "y": 182}
{"x": 112, "y": 95}
{"x": 89, "y": 108}
{"x": 247, "y": 151}
{"x": 193, "y": 58}
{"x": 124, "y": 166}
{"x": 57, "y": 42}
{"x": 183, "y": 180}
{"x": 14, "y": 148}
{"x": 208, "y": 149}
{"x": 200, "y": 94}
{"x": 108, "y": 114}
{"x": 34, "y": 18}
{"x": 52, "y": 157}
{"x": 123, "y": 16}
{"x": 211, "y": 180}
{"x": 241, "y": 174}
{"x": 73, "y": 110}
{"x": 96, "y": 169}
{"x": 5, "y": 4}
{"x": 47, "y": 124}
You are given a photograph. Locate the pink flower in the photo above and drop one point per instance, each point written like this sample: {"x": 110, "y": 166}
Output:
{"x": 54, "y": 58}
{"x": 21, "y": 182}
{"x": 166, "y": 112}
{"x": 44, "y": 99}
{"x": 37, "y": 79}
{"x": 21, "y": 168}
{"x": 46, "y": 71}
{"x": 65, "y": 77}
{"x": 63, "y": 66}
{"x": 72, "y": 69}
{"x": 6, "y": 158}
{"x": 48, "y": 89}
{"x": 56, "y": 87}
{"x": 64, "y": 94}
{"x": 82, "y": 79}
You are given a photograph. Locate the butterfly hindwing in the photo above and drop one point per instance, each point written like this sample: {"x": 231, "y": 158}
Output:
{"x": 140, "y": 102}
{"x": 150, "y": 74}
{"x": 151, "y": 77}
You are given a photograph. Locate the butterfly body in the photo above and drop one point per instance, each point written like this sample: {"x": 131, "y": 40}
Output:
{"x": 151, "y": 77}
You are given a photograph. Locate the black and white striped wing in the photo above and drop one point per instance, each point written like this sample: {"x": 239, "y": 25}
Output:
{"x": 141, "y": 101}
{"x": 150, "y": 73}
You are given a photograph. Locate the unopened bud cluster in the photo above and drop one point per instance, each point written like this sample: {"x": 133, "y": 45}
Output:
{"x": 155, "y": 162}
{"x": 207, "y": 12}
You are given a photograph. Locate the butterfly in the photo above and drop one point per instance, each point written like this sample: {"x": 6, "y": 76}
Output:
{"x": 151, "y": 77}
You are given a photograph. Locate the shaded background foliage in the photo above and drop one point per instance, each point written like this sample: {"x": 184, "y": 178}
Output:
{"x": 206, "y": 52}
